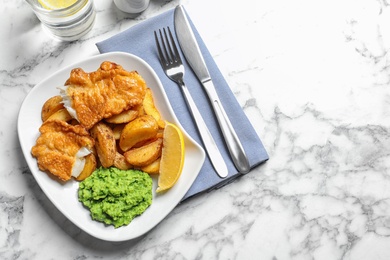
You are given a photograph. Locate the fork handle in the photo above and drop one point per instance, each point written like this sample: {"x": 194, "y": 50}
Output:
{"x": 233, "y": 143}
{"x": 208, "y": 141}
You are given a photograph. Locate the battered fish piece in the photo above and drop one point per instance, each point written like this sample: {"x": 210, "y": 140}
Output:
{"x": 61, "y": 148}
{"x": 91, "y": 97}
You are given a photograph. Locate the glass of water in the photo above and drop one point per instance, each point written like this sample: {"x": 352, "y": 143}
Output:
{"x": 68, "y": 23}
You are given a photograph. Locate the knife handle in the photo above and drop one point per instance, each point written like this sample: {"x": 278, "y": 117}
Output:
{"x": 208, "y": 141}
{"x": 233, "y": 143}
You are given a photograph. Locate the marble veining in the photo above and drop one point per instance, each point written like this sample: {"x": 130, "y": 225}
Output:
{"x": 11, "y": 224}
{"x": 312, "y": 77}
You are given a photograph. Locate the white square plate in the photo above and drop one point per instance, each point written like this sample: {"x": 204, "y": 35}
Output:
{"x": 64, "y": 195}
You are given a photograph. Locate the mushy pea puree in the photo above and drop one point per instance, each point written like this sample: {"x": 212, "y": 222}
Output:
{"x": 115, "y": 196}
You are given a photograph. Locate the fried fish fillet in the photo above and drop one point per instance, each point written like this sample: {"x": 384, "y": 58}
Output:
{"x": 91, "y": 97}
{"x": 61, "y": 148}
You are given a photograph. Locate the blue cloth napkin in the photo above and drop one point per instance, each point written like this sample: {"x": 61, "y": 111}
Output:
{"x": 139, "y": 40}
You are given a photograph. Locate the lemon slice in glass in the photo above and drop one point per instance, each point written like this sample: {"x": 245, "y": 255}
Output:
{"x": 172, "y": 157}
{"x": 56, "y": 4}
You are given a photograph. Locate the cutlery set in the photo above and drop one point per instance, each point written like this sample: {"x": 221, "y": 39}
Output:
{"x": 173, "y": 67}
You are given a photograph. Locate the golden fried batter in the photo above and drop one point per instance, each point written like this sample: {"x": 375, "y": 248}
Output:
{"x": 57, "y": 147}
{"x": 103, "y": 93}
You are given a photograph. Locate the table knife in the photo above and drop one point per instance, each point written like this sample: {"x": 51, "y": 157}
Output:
{"x": 193, "y": 55}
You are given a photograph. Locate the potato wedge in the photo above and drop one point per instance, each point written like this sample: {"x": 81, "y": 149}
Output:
{"x": 124, "y": 117}
{"x": 62, "y": 115}
{"x": 104, "y": 143}
{"x": 51, "y": 106}
{"x": 145, "y": 142}
{"x": 140, "y": 129}
{"x": 160, "y": 134}
{"x": 150, "y": 108}
{"x": 152, "y": 168}
{"x": 117, "y": 130}
{"x": 140, "y": 109}
{"x": 121, "y": 163}
{"x": 89, "y": 167}
{"x": 144, "y": 155}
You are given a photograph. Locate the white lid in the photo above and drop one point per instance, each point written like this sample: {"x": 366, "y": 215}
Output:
{"x": 132, "y": 6}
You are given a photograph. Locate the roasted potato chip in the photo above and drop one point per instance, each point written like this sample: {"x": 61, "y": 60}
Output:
{"x": 124, "y": 117}
{"x": 89, "y": 167}
{"x": 104, "y": 143}
{"x": 144, "y": 155}
{"x": 140, "y": 129}
{"x": 117, "y": 130}
{"x": 62, "y": 115}
{"x": 51, "y": 106}
{"x": 152, "y": 168}
{"x": 140, "y": 109}
{"x": 121, "y": 163}
{"x": 150, "y": 108}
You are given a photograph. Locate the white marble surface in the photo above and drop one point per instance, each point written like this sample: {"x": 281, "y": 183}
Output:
{"x": 314, "y": 79}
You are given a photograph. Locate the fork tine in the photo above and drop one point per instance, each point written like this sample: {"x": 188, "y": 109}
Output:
{"x": 171, "y": 55}
{"x": 166, "y": 46}
{"x": 177, "y": 55}
{"x": 160, "y": 52}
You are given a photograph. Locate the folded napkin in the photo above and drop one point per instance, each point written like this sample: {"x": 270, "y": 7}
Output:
{"x": 139, "y": 40}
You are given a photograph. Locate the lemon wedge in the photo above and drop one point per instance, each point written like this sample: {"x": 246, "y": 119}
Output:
{"x": 172, "y": 157}
{"x": 56, "y": 4}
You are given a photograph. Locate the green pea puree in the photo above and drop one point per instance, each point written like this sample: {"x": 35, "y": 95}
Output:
{"x": 115, "y": 197}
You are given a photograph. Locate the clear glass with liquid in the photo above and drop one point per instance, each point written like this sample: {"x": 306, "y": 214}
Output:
{"x": 69, "y": 23}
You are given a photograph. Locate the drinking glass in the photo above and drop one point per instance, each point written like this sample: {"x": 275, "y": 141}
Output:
{"x": 69, "y": 23}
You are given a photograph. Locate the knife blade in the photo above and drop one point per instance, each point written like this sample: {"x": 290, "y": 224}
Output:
{"x": 194, "y": 57}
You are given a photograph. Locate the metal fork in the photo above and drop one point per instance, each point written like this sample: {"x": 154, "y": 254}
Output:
{"x": 173, "y": 67}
